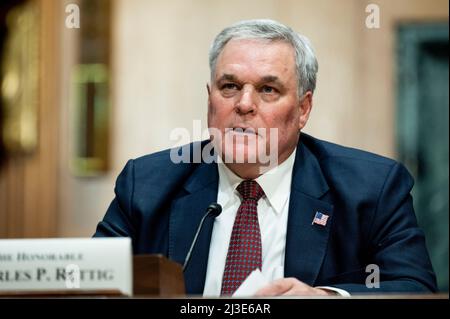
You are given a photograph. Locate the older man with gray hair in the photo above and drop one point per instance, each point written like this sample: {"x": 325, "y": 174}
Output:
{"x": 311, "y": 224}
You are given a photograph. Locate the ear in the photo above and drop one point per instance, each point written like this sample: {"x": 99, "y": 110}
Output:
{"x": 208, "y": 89}
{"x": 305, "y": 109}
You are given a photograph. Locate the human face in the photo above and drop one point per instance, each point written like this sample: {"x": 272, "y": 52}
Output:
{"x": 254, "y": 87}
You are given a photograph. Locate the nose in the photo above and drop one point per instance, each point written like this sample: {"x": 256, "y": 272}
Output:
{"x": 247, "y": 101}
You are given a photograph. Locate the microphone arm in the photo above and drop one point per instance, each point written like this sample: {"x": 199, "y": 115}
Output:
{"x": 213, "y": 209}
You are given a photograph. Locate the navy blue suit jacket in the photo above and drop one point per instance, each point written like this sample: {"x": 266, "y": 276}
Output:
{"x": 159, "y": 205}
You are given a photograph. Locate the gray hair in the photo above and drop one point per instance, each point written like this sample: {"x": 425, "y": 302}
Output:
{"x": 305, "y": 59}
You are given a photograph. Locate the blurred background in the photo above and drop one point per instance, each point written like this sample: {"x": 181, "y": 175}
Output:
{"x": 88, "y": 84}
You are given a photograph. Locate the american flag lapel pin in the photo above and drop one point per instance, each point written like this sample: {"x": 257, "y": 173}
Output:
{"x": 320, "y": 219}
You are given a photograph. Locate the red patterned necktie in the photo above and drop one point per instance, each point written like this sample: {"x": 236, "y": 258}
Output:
{"x": 245, "y": 249}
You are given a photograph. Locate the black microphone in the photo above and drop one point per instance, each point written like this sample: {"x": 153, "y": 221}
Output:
{"x": 214, "y": 209}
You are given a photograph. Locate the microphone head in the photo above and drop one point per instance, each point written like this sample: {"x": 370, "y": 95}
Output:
{"x": 215, "y": 209}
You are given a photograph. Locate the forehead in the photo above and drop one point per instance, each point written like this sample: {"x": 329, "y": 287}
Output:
{"x": 256, "y": 58}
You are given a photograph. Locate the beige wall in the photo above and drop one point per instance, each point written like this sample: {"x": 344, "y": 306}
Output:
{"x": 160, "y": 71}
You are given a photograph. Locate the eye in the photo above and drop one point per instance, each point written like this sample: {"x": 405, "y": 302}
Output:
{"x": 268, "y": 89}
{"x": 229, "y": 89}
{"x": 229, "y": 86}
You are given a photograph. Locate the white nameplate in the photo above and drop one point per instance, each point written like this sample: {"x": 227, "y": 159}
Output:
{"x": 83, "y": 264}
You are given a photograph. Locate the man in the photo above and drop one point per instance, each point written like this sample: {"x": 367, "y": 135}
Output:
{"x": 312, "y": 223}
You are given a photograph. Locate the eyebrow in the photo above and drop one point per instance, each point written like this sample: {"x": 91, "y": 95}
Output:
{"x": 264, "y": 79}
{"x": 270, "y": 78}
{"x": 227, "y": 77}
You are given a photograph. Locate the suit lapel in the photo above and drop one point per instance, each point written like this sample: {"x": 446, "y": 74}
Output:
{"x": 186, "y": 213}
{"x": 306, "y": 243}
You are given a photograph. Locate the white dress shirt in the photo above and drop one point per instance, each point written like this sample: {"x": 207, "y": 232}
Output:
{"x": 272, "y": 216}
{"x": 273, "y": 211}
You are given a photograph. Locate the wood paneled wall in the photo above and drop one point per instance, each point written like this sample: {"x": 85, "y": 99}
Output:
{"x": 29, "y": 183}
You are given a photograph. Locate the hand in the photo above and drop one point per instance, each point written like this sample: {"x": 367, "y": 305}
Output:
{"x": 291, "y": 287}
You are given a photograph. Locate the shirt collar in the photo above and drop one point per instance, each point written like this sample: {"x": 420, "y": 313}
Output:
{"x": 276, "y": 183}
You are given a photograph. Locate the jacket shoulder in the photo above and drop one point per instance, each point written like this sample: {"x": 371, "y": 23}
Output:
{"x": 325, "y": 151}
{"x": 166, "y": 164}
{"x": 357, "y": 168}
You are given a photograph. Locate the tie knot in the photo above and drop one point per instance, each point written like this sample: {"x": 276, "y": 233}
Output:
{"x": 249, "y": 189}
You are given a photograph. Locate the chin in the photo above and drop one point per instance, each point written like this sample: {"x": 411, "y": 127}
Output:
{"x": 240, "y": 154}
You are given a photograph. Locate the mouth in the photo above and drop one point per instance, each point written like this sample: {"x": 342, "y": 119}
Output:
{"x": 242, "y": 130}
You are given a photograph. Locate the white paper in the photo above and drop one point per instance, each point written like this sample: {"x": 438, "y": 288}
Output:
{"x": 251, "y": 284}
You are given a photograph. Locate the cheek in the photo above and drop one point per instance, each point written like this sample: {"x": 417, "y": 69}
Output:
{"x": 287, "y": 124}
{"x": 219, "y": 111}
